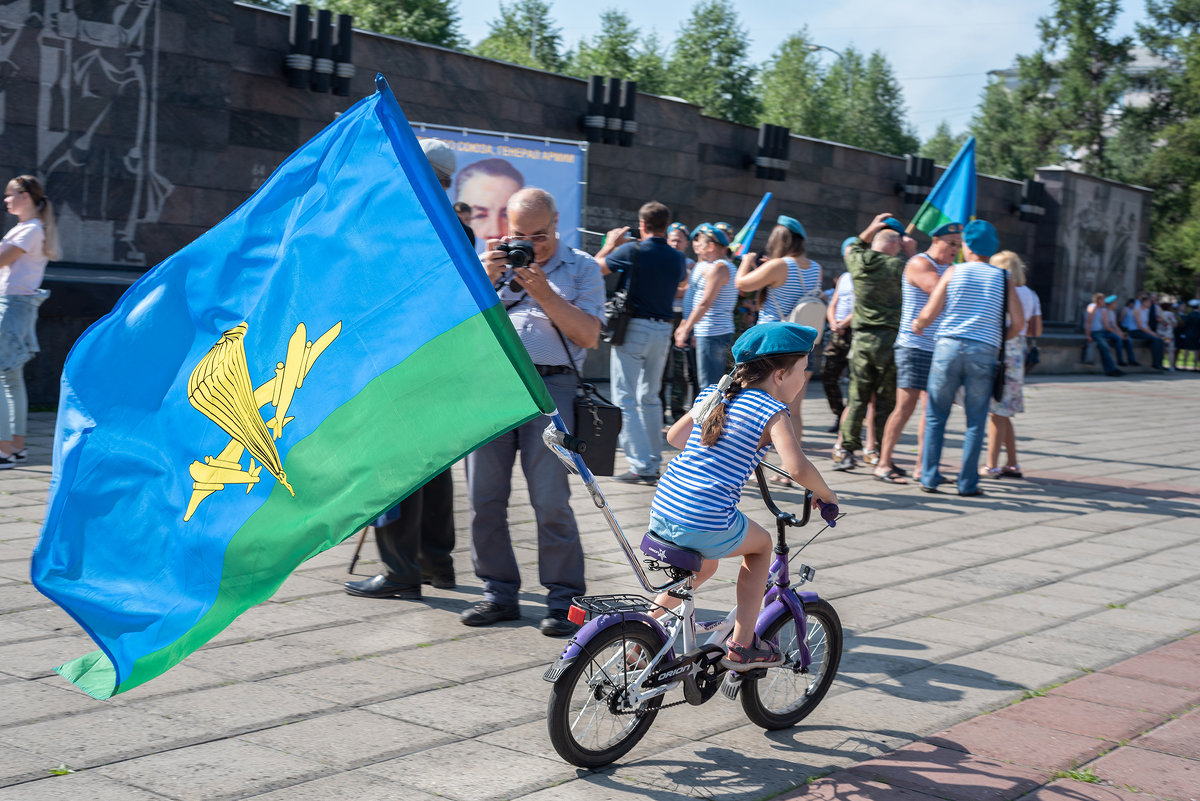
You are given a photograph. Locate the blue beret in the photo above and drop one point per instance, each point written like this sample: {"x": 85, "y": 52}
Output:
{"x": 726, "y": 228}
{"x": 713, "y": 231}
{"x": 1110, "y": 298}
{"x": 678, "y": 226}
{"x": 894, "y": 224}
{"x": 946, "y": 229}
{"x": 792, "y": 224}
{"x": 847, "y": 242}
{"x": 980, "y": 237}
{"x": 773, "y": 339}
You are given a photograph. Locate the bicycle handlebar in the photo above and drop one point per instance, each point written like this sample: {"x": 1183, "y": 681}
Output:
{"x": 829, "y": 511}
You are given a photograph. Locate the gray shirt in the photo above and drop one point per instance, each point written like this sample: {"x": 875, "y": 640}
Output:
{"x": 575, "y": 277}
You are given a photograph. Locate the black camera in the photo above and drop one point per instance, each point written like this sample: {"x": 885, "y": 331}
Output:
{"x": 520, "y": 252}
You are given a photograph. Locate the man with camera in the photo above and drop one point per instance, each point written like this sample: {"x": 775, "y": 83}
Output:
{"x": 554, "y": 296}
{"x": 651, "y": 271}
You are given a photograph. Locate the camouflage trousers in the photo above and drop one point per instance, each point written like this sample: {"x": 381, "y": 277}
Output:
{"x": 872, "y": 373}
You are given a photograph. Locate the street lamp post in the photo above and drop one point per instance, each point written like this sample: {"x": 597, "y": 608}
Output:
{"x": 813, "y": 48}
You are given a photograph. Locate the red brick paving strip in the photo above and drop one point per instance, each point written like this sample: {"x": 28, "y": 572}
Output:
{"x": 1015, "y": 752}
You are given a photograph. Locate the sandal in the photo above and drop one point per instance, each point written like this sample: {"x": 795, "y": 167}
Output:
{"x": 893, "y": 476}
{"x": 871, "y": 457}
{"x": 635, "y": 658}
{"x": 782, "y": 481}
{"x": 1011, "y": 472}
{"x": 990, "y": 472}
{"x": 740, "y": 658}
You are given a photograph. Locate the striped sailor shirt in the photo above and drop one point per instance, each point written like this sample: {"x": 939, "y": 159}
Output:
{"x": 974, "y": 303}
{"x": 780, "y": 301}
{"x": 718, "y": 319}
{"x": 914, "y": 299}
{"x": 702, "y": 485}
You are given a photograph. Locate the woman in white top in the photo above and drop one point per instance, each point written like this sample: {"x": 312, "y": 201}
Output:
{"x": 24, "y": 252}
{"x": 782, "y": 281}
{"x": 1000, "y": 425}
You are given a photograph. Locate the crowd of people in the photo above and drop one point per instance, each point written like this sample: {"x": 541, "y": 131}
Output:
{"x": 1171, "y": 329}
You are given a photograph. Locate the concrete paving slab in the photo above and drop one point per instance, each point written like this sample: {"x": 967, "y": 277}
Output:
{"x": 950, "y": 774}
{"x": 236, "y": 708}
{"x": 356, "y": 784}
{"x": 1180, "y": 737}
{"x": 1070, "y": 790}
{"x": 1021, "y": 743}
{"x": 1163, "y": 775}
{"x": 356, "y": 683}
{"x": 846, "y": 787}
{"x": 1112, "y": 690}
{"x": 88, "y": 784}
{"x": 348, "y": 740}
{"x": 20, "y": 765}
{"x": 1073, "y": 715}
{"x": 32, "y": 701}
{"x": 1162, "y": 668}
{"x": 463, "y": 710}
{"x": 215, "y": 771}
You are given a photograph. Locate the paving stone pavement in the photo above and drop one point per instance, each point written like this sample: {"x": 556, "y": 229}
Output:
{"x": 952, "y": 607}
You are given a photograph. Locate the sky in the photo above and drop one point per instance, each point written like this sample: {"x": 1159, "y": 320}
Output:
{"x": 940, "y": 50}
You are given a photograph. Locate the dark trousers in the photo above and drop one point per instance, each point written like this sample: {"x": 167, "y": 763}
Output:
{"x": 872, "y": 374}
{"x": 837, "y": 359}
{"x": 420, "y": 541}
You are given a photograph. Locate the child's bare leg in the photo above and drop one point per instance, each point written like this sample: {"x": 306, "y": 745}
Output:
{"x": 707, "y": 570}
{"x": 755, "y": 551}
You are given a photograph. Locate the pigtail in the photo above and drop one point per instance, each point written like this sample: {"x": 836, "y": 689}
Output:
{"x": 714, "y": 422}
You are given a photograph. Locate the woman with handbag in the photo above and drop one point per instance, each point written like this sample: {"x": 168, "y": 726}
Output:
{"x": 781, "y": 281}
{"x": 1012, "y": 402}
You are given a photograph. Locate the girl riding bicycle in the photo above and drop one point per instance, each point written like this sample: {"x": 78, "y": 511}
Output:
{"x": 723, "y": 438}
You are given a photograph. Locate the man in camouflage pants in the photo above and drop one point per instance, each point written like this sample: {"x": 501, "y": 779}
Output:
{"x": 875, "y": 264}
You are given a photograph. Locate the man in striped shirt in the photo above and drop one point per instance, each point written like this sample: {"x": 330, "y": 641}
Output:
{"x": 968, "y": 304}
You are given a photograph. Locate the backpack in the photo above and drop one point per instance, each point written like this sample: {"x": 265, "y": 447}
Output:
{"x": 810, "y": 311}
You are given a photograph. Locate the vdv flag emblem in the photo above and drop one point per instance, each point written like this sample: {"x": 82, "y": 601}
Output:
{"x": 328, "y": 347}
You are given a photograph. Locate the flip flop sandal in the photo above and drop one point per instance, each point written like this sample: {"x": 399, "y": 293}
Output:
{"x": 780, "y": 480}
{"x": 892, "y": 476}
{"x": 1011, "y": 472}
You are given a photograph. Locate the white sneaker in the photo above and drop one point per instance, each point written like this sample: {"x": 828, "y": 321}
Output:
{"x": 21, "y": 455}
{"x": 7, "y": 462}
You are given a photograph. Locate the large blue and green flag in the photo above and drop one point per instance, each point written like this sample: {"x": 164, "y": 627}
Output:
{"x": 267, "y": 391}
{"x": 952, "y": 199}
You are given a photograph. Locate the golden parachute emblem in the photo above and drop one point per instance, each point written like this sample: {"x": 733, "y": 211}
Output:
{"x": 220, "y": 389}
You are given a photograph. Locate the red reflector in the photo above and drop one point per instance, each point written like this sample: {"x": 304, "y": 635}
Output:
{"x": 576, "y": 615}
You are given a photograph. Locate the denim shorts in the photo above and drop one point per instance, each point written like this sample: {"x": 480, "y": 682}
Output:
{"x": 710, "y": 544}
{"x": 912, "y": 368}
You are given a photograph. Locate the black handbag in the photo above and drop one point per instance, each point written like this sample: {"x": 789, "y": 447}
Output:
{"x": 1032, "y": 355}
{"x": 597, "y": 422}
{"x": 618, "y": 309}
{"x": 998, "y": 381}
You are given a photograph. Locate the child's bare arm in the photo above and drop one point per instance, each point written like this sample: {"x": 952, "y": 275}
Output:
{"x": 680, "y": 430}
{"x": 783, "y": 437}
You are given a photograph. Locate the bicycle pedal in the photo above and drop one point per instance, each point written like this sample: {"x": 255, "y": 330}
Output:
{"x": 731, "y": 686}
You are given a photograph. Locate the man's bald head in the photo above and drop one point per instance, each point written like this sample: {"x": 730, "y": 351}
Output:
{"x": 886, "y": 241}
{"x": 534, "y": 200}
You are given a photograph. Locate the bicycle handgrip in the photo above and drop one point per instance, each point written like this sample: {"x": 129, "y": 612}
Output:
{"x": 829, "y": 512}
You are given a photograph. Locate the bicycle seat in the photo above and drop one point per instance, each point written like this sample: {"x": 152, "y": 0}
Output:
{"x": 674, "y": 555}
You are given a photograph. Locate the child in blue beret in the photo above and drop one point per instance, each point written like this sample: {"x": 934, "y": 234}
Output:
{"x": 723, "y": 438}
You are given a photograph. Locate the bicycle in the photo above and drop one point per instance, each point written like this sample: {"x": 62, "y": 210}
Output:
{"x": 610, "y": 679}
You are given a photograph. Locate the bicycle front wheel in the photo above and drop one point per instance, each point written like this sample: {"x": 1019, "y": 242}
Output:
{"x": 785, "y": 696}
{"x": 591, "y": 724}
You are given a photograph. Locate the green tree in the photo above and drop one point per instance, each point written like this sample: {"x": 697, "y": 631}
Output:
{"x": 1005, "y": 131}
{"x": 876, "y": 118}
{"x": 709, "y": 65}
{"x": 524, "y": 33}
{"x": 620, "y": 51}
{"x": 791, "y": 88}
{"x": 1087, "y": 80}
{"x": 943, "y": 146}
{"x": 432, "y": 21}
{"x": 1172, "y": 166}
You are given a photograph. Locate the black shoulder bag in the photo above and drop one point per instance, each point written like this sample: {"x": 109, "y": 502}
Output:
{"x": 618, "y": 310}
{"x": 998, "y": 381}
{"x": 597, "y": 421}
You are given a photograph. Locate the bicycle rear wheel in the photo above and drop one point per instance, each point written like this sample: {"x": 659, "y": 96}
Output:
{"x": 785, "y": 696}
{"x": 589, "y": 721}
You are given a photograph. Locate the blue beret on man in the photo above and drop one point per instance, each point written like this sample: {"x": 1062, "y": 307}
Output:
{"x": 947, "y": 229}
{"x": 708, "y": 229}
{"x": 792, "y": 224}
{"x": 773, "y": 339}
{"x": 981, "y": 238}
{"x": 847, "y": 242}
{"x": 678, "y": 226}
{"x": 894, "y": 224}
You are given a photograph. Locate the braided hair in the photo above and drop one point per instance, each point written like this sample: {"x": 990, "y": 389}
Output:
{"x": 745, "y": 374}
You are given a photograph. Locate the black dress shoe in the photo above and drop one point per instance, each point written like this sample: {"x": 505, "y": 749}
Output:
{"x": 440, "y": 581}
{"x": 973, "y": 494}
{"x": 380, "y": 587}
{"x": 486, "y": 613}
{"x": 556, "y": 624}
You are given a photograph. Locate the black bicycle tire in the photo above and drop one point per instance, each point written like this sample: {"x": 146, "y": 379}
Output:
{"x": 558, "y": 712}
{"x": 756, "y": 710}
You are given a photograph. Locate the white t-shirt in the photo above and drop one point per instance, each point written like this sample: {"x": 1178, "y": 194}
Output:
{"x": 1030, "y": 305}
{"x": 845, "y": 296}
{"x": 24, "y": 276}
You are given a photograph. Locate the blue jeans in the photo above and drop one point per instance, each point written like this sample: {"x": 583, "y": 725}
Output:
{"x": 1102, "y": 343}
{"x": 1156, "y": 346}
{"x": 636, "y": 370}
{"x": 712, "y": 356}
{"x": 972, "y": 365}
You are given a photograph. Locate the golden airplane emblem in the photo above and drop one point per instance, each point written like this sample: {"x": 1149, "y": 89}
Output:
{"x": 219, "y": 387}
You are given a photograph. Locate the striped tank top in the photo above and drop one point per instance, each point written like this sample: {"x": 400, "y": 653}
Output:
{"x": 702, "y": 485}
{"x": 719, "y": 318}
{"x": 914, "y": 299}
{"x": 974, "y": 302}
{"x": 781, "y": 300}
